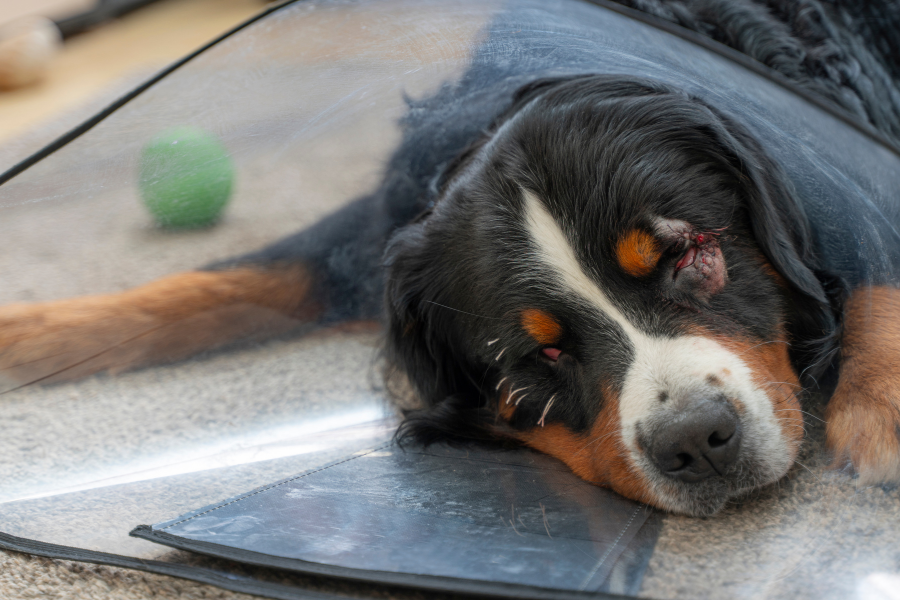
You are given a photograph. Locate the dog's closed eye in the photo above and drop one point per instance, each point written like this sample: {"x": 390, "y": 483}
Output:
{"x": 551, "y": 353}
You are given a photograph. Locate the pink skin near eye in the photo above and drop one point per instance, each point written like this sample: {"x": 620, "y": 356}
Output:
{"x": 689, "y": 257}
{"x": 701, "y": 269}
{"x": 552, "y": 353}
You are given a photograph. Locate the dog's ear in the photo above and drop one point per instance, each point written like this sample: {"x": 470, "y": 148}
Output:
{"x": 425, "y": 338}
{"x": 424, "y": 342}
{"x": 783, "y": 232}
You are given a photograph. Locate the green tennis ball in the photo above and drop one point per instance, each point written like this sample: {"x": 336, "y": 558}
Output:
{"x": 186, "y": 178}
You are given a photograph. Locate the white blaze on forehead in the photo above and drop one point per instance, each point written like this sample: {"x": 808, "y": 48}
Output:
{"x": 677, "y": 365}
{"x": 555, "y": 252}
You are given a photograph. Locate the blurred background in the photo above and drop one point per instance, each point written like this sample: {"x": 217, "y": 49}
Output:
{"x": 63, "y": 60}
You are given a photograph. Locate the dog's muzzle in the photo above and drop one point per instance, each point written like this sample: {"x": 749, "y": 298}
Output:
{"x": 702, "y": 441}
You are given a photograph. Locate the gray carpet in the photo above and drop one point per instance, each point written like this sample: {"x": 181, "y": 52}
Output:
{"x": 813, "y": 535}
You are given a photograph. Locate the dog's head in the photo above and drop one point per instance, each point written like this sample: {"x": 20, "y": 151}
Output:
{"x": 614, "y": 275}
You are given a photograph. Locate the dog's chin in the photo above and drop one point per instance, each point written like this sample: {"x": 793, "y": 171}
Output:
{"x": 708, "y": 497}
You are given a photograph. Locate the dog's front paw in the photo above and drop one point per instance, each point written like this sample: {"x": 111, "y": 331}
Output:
{"x": 863, "y": 430}
{"x": 863, "y": 416}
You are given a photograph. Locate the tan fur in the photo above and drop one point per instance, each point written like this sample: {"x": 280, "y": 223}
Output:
{"x": 505, "y": 409}
{"x": 597, "y": 456}
{"x": 638, "y": 253}
{"x": 166, "y": 320}
{"x": 542, "y": 328}
{"x": 863, "y": 415}
{"x": 773, "y": 372}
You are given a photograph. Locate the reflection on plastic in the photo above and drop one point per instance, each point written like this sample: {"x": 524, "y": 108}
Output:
{"x": 308, "y": 120}
{"x": 879, "y": 586}
{"x": 310, "y": 437}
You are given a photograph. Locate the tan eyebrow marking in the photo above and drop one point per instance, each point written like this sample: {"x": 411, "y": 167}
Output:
{"x": 542, "y": 327}
{"x": 638, "y": 252}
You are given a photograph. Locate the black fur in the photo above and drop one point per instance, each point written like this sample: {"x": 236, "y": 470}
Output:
{"x": 446, "y": 217}
{"x": 586, "y": 144}
{"x": 845, "y": 51}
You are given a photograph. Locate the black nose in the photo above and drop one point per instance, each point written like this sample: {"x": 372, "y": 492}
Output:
{"x": 700, "y": 443}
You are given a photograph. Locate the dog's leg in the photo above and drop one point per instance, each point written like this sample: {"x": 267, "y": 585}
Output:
{"x": 162, "y": 321}
{"x": 863, "y": 415}
{"x": 327, "y": 274}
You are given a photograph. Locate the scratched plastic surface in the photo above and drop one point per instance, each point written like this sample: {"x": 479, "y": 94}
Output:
{"x": 506, "y": 517}
{"x": 306, "y": 101}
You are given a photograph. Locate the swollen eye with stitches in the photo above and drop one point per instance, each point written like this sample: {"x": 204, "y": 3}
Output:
{"x": 638, "y": 252}
{"x": 699, "y": 265}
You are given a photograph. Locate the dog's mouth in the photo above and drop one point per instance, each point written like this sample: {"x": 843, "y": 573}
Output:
{"x": 709, "y": 496}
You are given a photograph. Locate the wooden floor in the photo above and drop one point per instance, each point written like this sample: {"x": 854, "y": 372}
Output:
{"x": 143, "y": 41}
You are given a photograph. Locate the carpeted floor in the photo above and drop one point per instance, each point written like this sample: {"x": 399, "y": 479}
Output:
{"x": 814, "y": 535}
{"x": 24, "y": 577}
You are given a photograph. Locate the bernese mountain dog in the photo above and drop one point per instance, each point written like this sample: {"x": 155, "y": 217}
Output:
{"x": 602, "y": 267}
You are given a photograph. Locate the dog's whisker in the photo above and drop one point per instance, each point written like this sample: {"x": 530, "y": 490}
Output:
{"x": 500, "y": 383}
{"x": 815, "y": 364}
{"x": 764, "y": 344}
{"x": 513, "y": 393}
{"x": 492, "y": 342}
{"x": 595, "y": 441}
{"x": 804, "y": 412}
{"x": 783, "y": 383}
{"x": 546, "y": 410}
{"x": 501, "y": 354}
{"x": 797, "y": 423}
{"x": 519, "y": 399}
{"x": 819, "y": 479}
{"x": 462, "y": 311}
